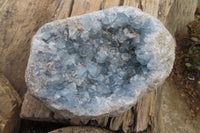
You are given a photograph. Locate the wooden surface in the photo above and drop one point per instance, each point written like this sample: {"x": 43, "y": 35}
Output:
{"x": 10, "y": 104}
{"x": 77, "y": 129}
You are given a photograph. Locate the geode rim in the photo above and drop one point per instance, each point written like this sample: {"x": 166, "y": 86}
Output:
{"x": 150, "y": 49}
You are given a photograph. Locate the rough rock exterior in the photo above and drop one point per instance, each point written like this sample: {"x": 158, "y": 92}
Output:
{"x": 99, "y": 63}
{"x": 10, "y": 104}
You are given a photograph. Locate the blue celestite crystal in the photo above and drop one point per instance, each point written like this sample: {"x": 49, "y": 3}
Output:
{"x": 100, "y": 63}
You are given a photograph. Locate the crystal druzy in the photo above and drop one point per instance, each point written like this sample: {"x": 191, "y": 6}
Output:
{"x": 100, "y": 63}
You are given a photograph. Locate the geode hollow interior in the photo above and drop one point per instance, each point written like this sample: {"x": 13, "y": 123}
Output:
{"x": 100, "y": 63}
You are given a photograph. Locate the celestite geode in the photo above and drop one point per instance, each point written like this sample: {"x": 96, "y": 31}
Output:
{"x": 100, "y": 63}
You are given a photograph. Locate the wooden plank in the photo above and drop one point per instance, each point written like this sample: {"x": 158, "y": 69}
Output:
{"x": 134, "y": 3}
{"x": 111, "y": 3}
{"x": 85, "y": 6}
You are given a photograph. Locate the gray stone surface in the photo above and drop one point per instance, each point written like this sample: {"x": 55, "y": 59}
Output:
{"x": 100, "y": 63}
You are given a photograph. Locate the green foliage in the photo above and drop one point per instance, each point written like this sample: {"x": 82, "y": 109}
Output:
{"x": 198, "y": 20}
{"x": 195, "y": 26}
{"x": 194, "y": 58}
{"x": 198, "y": 68}
{"x": 194, "y": 53}
{"x": 188, "y": 65}
{"x": 189, "y": 32}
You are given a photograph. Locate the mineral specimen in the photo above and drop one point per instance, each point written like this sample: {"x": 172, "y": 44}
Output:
{"x": 100, "y": 63}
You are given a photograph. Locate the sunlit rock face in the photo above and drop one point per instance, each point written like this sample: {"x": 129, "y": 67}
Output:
{"x": 100, "y": 63}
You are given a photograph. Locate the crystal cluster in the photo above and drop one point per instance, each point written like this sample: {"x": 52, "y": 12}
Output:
{"x": 99, "y": 63}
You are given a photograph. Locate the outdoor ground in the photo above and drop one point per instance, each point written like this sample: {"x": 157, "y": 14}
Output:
{"x": 186, "y": 71}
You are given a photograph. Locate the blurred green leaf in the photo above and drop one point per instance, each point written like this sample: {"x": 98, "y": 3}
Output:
{"x": 190, "y": 52}
{"x": 198, "y": 67}
{"x": 194, "y": 48}
{"x": 195, "y": 62}
{"x": 188, "y": 64}
{"x": 189, "y": 32}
